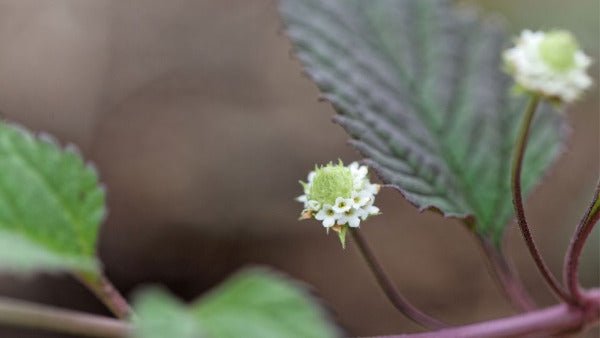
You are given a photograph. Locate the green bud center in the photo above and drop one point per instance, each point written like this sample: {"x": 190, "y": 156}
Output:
{"x": 558, "y": 50}
{"x": 331, "y": 182}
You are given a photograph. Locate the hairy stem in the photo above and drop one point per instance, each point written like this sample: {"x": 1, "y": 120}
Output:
{"x": 555, "y": 320}
{"x": 585, "y": 227}
{"x": 107, "y": 293}
{"x": 388, "y": 287}
{"x": 517, "y": 166}
{"x": 36, "y": 316}
{"x": 506, "y": 277}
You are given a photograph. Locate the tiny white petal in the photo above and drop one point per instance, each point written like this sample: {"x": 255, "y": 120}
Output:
{"x": 372, "y": 210}
{"x": 329, "y": 222}
{"x": 323, "y": 213}
{"x": 313, "y": 205}
{"x": 372, "y": 189}
{"x": 354, "y": 222}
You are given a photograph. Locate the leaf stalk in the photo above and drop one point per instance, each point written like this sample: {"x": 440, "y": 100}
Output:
{"x": 106, "y": 292}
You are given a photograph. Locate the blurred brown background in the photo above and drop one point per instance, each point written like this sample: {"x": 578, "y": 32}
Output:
{"x": 201, "y": 125}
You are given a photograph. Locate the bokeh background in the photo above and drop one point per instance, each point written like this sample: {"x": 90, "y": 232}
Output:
{"x": 201, "y": 124}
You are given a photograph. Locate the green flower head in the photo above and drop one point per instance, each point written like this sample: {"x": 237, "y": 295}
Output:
{"x": 330, "y": 182}
{"x": 558, "y": 49}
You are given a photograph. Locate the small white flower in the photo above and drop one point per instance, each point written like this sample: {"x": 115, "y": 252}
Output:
{"x": 550, "y": 64}
{"x": 313, "y": 205}
{"x": 360, "y": 198}
{"x": 351, "y": 217}
{"x": 372, "y": 189}
{"x": 342, "y": 204}
{"x": 327, "y": 215}
{"x": 358, "y": 171}
{"x": 371, "y": 210}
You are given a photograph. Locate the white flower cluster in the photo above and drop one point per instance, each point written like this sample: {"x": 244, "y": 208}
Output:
{"x": 550, "y": 64}
{"x": 348, "y": 210}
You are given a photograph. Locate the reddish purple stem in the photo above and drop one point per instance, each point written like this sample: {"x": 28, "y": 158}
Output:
{"x": 558, "y": 319}
{"x": 584, "y": 229}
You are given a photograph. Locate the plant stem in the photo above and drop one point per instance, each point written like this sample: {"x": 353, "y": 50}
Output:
{"x": 517, "y": 164}
{"x": 585, "y": 227}
{"x": 558, "y": 319}
{"x": 106, "y": 292}
{"x": 36, "y": 316}
{"x": 399, "y": 302}
{"x": 506, "y": 277}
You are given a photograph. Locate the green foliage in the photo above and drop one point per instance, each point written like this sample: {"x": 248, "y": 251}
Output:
{"x": 254, "y": 303}
{"x": 418, "y": 86}
{"x": 160, "y": 315}
{"x": 50, "y": 205}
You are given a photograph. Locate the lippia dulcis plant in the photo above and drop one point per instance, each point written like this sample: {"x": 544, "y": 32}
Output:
{"x": 460, "y": 119}
{"x": 444, "y": 107}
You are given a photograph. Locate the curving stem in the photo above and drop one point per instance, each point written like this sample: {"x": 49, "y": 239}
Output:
{"x": 388, "y": 287}
{"x": 578, "y": 240}
{"x": 517, "y": 166}
{"x": 557, "y": 320}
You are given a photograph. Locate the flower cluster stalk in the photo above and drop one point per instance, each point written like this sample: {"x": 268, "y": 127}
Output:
{"x": 507, "y": 278}
{"x": 388, "y": 287}
{"x": 517, "y": 166}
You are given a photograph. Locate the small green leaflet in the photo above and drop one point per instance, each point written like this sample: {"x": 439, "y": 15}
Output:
{"x": 418, "y": 86}
{"x": 51, "y": 205}
{"x": 255, "y": 303}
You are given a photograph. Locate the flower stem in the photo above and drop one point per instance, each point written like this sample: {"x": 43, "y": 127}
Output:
{"x": 106, "y": 292}
{"x": 36, "y": 316}
{"x": 399, "y": 302}
{"x": 585, "y": 227}
{"x": 506, "y": 277}
{"x": 517, "y": 164}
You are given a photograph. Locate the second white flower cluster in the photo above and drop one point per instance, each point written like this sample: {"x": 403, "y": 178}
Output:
{"x": 338, "y": 195}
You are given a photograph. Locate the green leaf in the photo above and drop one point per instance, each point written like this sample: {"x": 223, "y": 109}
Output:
{"x": 160, "y": 315}
{"x": 418, "y": 86}
{"x": 255, "y": 303}
{"x": 50, "y": 205}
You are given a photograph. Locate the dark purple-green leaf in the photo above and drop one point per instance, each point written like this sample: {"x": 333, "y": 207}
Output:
{"x": 419, "y": 87}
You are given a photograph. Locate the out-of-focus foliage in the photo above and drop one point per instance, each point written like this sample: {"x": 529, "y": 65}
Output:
{"x": 51, "y": 205}
{"x": 254, "y": 303}
{"x": 419, "y": 87}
